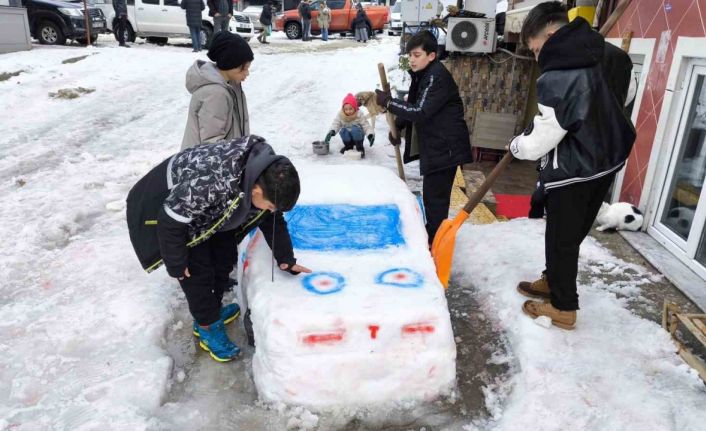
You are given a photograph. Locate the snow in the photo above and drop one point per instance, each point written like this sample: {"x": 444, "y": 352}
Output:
{"x": 90, "y": 341}
{"x": 372, "y": 326}
{"x": 615, "y": 371}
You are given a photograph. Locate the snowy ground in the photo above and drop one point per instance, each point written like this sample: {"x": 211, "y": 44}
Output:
{"x": 90, "y": 341}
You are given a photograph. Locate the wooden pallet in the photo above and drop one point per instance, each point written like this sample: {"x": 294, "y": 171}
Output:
{"x": 695, "y": 324}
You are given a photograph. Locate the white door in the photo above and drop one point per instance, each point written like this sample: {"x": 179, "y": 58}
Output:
{"x": 149, "y": 16}
{"x": 681, "y": 211}
{"x": 175, "y": 17}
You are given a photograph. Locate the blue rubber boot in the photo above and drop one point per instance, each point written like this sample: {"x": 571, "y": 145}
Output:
{"x": 215, "y": 341}
{"x": 229, "y": 313}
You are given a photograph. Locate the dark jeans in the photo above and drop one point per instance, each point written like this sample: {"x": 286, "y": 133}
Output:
{"x": 220, "y": 23}
{"x": 436, "y": 195}
{"x": 195, "y": 37}
{"x": 120, "y": 27}
{"x": 210, "y": 263}
{"x": 306, "y": 29}
{"x": 571, "y": 211}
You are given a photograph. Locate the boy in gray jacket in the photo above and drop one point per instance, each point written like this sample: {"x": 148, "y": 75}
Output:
{"x": 218, "y": 108}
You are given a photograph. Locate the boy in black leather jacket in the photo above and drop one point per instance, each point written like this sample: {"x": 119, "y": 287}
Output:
{"x": 582, "y": 137}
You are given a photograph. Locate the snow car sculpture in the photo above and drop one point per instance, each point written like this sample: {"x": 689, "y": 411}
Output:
{"x": 371, "y": 324}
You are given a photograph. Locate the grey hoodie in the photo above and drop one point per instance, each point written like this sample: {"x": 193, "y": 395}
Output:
{"x": 218, "y": 109}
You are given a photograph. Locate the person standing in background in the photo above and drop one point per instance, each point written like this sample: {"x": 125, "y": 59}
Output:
{"x": 324, "y": 19}
{"x": 193, "y": 10}
{"x": 266, "y": 21}
{"x": 120, "y": 8}
{"x": 222, "y": 12}
{"x": 305, "y": 15}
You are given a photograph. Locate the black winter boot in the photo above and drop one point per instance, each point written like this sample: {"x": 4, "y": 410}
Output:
{"x": 346, "y": 146}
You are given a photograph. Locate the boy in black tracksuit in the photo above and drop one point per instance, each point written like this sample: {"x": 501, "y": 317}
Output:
{"x": 583, "y": 138}
{"x": 435, "y": 129}
{"x": 191, "y": 211}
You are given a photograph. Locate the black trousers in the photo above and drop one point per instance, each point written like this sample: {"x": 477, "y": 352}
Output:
{"x": 120, "y": 27}
{"x": 436, "y": 195}
{"x": 210, "y": 264}
{"x": 571, "y": 211}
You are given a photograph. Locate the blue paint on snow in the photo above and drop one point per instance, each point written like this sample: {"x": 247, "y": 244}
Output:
{"x": 400, "y": 277}
{"x": 324, "y": 283}
{"x": 345, "y": 227}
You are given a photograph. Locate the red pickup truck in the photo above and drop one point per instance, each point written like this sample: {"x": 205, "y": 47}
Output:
{"x": 342, "y": 14}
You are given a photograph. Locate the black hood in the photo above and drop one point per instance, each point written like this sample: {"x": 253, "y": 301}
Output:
{"x": 574, "y": 46}
{"x": 259, "y": 156}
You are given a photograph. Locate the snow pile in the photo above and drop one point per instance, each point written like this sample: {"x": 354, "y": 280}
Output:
{"x": 615, "y": 371}
{"x": 371, "y": 324}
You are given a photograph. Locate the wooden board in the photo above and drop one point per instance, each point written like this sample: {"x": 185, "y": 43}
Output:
{"x": 493, "y": 130}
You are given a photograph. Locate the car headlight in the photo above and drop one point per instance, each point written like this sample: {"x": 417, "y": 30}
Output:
{"x": 70, "y": 11}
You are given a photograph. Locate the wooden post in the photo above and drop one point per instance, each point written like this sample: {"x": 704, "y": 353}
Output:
{"x": 87, "y": 22}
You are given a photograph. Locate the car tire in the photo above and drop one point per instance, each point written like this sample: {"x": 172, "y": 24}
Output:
{"x": 157, "y": 40}
{"x": 293, "y": 30}
{"x": 206, "y": 35}
{"x": 129, "y": 32}
{"x": 48, "y": 33}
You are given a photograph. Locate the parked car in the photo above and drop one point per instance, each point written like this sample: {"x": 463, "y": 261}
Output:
{"x": 158, "y": 20}
{"x": 395, "y": 26}
{"x": 253, "y": 12}
{"x": 52, "y": 22}
{"x": 342, "y": 15}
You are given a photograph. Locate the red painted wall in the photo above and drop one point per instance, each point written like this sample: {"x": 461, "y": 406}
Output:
{"x": 649, "y": 19}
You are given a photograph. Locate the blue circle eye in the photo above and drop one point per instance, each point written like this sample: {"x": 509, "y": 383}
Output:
{"x": 324, "y": 283}
{"x": 400, "y": 277}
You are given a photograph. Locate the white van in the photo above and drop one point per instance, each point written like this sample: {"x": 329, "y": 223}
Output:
{"x": 158, "y": 20}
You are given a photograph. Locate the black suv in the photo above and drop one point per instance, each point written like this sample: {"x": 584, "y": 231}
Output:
{"x": 53, "y": 21}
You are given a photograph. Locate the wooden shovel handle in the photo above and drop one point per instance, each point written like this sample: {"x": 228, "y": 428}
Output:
{"x": 391, "y": 121}
{"x": 483, "y": 189}
{"x": 614, "y": 17}
{"x": 383, "y": 77}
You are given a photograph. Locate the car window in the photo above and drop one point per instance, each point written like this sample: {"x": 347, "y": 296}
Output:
{"x": 150, "y": 1}
{"x": 397, "y": 7}
{"x": 131, "y": 2}
{"x": 336, "y": 4}
{"x": 171, "y": 2}
{"x": 330, "y": 227}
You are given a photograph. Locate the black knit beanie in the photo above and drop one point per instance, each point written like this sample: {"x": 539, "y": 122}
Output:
{"x": 229, "y": 50}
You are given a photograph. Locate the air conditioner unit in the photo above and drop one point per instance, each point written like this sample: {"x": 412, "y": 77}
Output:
{"x": 471, "y": 35}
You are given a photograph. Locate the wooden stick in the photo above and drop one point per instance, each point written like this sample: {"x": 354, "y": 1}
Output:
{"x": 615, "y": 16}
{"x": 391, "y": 121}
{"x": 483, "y": 189}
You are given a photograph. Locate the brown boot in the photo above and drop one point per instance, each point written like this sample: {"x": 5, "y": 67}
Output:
{"x": 562, "y": 319}
{"x": 536, "y": 289}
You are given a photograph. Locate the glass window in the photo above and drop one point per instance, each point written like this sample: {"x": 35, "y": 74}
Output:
{"x": 336, "y": 4}
{"x": 688, "y": 179}
{"x": 150, "y": 2}
{"x": 171, "y": 2}
{"x": 131, "y": 2}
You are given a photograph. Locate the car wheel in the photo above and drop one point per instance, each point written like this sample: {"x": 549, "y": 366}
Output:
{"x": 129, "y": 32}
{"x": 49, "y": 33}
{"x": 293, "y": 30}
{"x": 157, "y": 40}
{"x": 206, "y": 35}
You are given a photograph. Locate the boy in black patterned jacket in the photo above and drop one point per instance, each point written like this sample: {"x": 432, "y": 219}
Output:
{"x": 191, "y": 211}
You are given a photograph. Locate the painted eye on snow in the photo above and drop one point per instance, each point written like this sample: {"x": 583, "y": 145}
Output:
{"x": 400, "y": 277}
{"x": 324, "y": 283}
